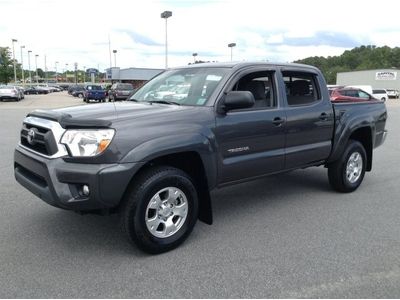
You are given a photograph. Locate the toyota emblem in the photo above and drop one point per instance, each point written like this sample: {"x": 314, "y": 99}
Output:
{"x": 31, "y": 136}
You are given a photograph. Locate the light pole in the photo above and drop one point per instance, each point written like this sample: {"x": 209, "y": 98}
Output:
{"x": 15, "y": 67}
{"x": 76, "y": 68}
{"x": 29, "y": 65}
{"x": 66, "y": 71}
{"x": 56, "y": 71}
{"x": 84, "y": 74}
{"x": 22, "y": 66}
{"x": 231, "y": 45}
{"x": 165, "y": 15}
{"x": 45, "y": 69}
{"x": 37, "y": 76}
{"x": 194, "y": 57}
{"x": 115, "y": 58}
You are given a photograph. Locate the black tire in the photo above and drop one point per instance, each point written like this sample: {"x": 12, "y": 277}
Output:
{"x": 80, "y": 95}
{"x": 337, "y": 171}
{"x": 134, "y": 209}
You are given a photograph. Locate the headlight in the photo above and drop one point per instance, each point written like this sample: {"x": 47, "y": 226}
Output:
{"x": 82, "y": 142}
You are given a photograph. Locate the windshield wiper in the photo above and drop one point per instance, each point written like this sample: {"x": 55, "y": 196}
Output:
{"x": 164, "y": 102}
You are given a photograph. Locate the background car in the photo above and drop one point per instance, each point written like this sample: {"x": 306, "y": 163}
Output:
{"x": 10, "y": 92}
{"x": 78, "y": 91}
{"x": 120, "y": 91}
{"x": 72, "y": 88}
{"x": 392, "y": 93}
{"x": 94, "y": 92}
{"x": 349, "y": 94}
{"x": 35, "y": 90}
{"x": 380, "y": 94}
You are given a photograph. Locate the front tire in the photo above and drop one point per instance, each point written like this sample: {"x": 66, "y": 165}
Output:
{"x": 346, "y": 174}
{"x": 160, "y": 210}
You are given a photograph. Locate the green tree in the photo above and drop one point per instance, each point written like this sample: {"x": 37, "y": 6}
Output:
{"x": 6, "y": 66}
{"x": 360, "y": 58}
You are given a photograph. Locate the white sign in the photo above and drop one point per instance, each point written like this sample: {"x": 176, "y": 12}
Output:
{"x": 386, "y": 75}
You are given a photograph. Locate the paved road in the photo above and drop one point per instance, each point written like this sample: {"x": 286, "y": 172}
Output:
{"x": 283, "y": 236}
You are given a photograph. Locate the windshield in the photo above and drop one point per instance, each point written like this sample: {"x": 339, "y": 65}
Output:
{"x": 192, "y": 86}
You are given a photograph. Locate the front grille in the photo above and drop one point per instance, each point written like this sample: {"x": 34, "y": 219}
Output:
{"x": 42, "y": 142}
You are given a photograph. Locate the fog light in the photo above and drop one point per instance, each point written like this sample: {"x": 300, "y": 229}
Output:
{"x": 85, "y": 190}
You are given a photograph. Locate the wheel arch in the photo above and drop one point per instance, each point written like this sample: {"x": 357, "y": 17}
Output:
{"x": 196, "y": 165}
{"x": 361, "y": 134}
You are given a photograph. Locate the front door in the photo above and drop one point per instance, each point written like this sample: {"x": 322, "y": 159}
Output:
{"x": 252, "y": 141}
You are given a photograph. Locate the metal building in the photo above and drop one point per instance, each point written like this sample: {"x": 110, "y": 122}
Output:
{"x": 136, "y": 76}
{"x": 380, "y": 78}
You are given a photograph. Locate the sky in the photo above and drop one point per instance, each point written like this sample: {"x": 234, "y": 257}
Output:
{"x": 79, "y": 31}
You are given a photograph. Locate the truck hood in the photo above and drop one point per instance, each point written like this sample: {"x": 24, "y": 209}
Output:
{"x": 107, "y": 114}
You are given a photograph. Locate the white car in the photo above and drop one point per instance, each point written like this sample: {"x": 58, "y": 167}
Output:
{"x": 380, "y": 94}
{"x": 393, "y": 93}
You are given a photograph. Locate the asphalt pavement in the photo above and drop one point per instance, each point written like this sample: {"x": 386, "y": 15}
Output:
{"x": 283, "y": 236}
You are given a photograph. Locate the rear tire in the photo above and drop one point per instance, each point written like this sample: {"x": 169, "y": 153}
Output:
{"x": 160, "y": 210}
{"x": 346, "y": 174}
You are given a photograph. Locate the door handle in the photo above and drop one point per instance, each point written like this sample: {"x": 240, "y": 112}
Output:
{"x": 278, "y": 121}
{"x": 323, "y": 116}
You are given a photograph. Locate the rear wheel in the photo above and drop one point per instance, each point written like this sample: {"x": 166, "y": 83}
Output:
{"x": 347, "y": 173}
{"x": 161, "y": 209}
{"x": 80, "y": 95}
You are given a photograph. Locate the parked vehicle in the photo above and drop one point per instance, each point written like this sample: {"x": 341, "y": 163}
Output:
{"x": 78, "y": 91}
{"x": 72, "y": 88}
{"x": 10, "y": 92}
{"x": 349, "y": 94}
{"x": 120, "y": 91}
{"x": 94, "y": 92}
{"x": 155, "y": 161}
{"x": 365, "y": 88}
{"x": 21, "y": 91}
{"x": 380, "y": 94}
{"x": 392, "y": 93}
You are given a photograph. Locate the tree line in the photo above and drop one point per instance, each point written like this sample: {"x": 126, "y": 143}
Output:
{"x": 360, "y": 58}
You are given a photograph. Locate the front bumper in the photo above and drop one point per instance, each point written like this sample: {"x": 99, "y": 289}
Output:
{"x": 59, "y": 183}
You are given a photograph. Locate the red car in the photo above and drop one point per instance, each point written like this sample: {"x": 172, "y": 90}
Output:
{"x": 350, "y": 94}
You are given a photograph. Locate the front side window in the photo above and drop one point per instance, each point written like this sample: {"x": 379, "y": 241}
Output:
{"x": 301, "y": 88}
{"x": 188, "y": 86}
{"x": 260, "y": 84}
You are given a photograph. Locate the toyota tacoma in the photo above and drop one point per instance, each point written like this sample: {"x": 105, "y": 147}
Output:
{"x": 154, "y": 160}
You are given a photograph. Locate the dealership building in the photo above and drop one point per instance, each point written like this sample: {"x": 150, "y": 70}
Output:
{"x": 136, "y": 76}
{"x": 380, "y": 78}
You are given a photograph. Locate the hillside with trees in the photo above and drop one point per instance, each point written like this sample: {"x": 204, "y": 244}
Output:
{"x": 360, "y": 58}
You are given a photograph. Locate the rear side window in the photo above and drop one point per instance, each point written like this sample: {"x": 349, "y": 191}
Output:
{"x": 378, "y": 91}
{"x": 301, "y": 88}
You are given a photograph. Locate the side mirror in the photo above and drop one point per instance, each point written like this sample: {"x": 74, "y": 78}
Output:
{"x": 238, "y": 100}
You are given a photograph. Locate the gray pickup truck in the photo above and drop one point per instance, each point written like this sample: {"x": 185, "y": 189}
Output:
{"x": 155, "y": 158}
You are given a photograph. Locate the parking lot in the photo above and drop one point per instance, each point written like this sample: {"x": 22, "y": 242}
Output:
{"x": 284, "y": 236}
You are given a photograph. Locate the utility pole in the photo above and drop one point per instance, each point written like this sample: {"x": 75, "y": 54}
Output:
{"x": 15, "y": 67}
{"x": 29, "y": 66}
{"x": 22, "y": 66}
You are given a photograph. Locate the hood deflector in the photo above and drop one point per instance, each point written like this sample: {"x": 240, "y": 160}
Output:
{"x": 66, "y": 120}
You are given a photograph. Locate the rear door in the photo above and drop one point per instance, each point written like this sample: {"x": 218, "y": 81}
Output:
{"x": 309, "y": 118}
{"x": 252, "y": 141}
